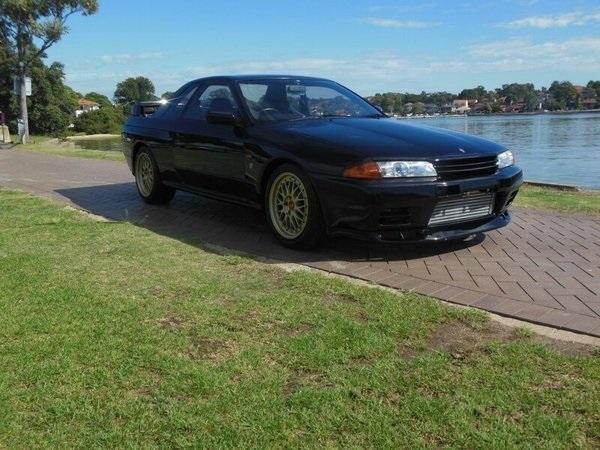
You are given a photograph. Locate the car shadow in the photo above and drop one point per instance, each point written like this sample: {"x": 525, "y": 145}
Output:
{"x": 199, "y": 221}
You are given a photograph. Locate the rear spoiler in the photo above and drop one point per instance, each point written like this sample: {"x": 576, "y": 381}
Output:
{"x": 145, "y": 109}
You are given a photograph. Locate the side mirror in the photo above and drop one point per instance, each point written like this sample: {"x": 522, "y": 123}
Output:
{"x": 221, "y": 118}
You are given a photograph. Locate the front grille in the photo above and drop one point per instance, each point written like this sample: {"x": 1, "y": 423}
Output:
{"x": 462, "y": 208}
{"x": 460, "y": 168}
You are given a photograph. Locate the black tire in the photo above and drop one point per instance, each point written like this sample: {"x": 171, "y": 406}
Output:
{"x": 150, "y": 188}
{"x": 313, "y": 229}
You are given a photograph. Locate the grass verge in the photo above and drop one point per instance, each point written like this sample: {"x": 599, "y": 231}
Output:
{"x": 52, "y": 146}
{"x": 115, "y": 336}
{"x": 584, "y": 202}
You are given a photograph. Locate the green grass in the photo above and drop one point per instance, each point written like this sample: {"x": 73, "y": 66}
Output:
{"x": 114, "y": 336}
{"x": 586, "y": 202}
{"x": 49, "y": 145}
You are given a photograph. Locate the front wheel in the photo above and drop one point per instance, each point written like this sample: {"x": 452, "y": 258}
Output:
{"x": 292, "y": 208}
{"x": 148, "y": 182}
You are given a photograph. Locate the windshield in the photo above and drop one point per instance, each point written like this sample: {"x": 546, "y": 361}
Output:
{"x": 288, "y": 99}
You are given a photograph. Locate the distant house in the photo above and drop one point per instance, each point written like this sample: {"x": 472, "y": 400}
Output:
{"x": 85, "y": 105}
{"x": 589, "y": 103}
{"x": 446, "y": 108}
{"x": 478, "y": 108}
{"x": 516, "y": 107}
{"x": 432, "y": 108}
{"x": 461, "y": 106}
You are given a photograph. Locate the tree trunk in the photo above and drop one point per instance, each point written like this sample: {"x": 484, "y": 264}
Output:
{"x": 23, "y": 103}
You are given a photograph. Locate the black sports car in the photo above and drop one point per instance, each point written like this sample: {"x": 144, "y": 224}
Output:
{"x": 320, "y": 160}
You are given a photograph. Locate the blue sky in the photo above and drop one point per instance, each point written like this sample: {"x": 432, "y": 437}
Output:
{"x": 369, "y": 46}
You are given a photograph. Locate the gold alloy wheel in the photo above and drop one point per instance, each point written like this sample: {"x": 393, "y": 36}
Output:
{"x": 288, "y": 205}
{"x": 144, "y": 174}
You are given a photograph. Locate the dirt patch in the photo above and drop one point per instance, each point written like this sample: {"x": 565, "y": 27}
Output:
{"x": 209, "y": 349}
{"x": 299, "y": 330}
{"x": 362, "y": 317}
{"x": 171, "y": 322}
{"x": 568, "y": 348}
{"x": 144, "y": 392}
{"x": 461, "y": 339}
{"x": 338, "y": 298}
{"x": 359, "y": 362}
{"x": 226, "y": 301}
{"x": 303, "y": 379}
{"x": 408, "y": 351}
{"x": 393, "y": 398}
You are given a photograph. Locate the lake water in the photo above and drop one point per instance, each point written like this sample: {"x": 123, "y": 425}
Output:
{"x": 555, "y": 148}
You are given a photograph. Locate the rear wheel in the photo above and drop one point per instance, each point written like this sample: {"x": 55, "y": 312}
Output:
{"x": 292, "y": 208}
{"x": 147, "y": 180}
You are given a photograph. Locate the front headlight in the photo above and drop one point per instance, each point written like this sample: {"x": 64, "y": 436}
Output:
{"x": 390, "y": 169}
{"x": 505, "y": 159}
{"x": 403, "y": 169}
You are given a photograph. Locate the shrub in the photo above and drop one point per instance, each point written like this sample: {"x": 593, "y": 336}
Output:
{"x": 107, "y": 120}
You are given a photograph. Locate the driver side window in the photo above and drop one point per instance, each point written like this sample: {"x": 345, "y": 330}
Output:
{"x": 217, "y": 97}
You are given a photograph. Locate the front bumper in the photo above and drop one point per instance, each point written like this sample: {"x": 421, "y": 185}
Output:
{"x": 400, "y": 210}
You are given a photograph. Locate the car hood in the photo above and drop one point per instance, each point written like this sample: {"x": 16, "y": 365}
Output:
{"x": 366, "y": 138}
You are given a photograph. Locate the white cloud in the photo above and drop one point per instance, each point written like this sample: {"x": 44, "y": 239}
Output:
{"x": 127, "y": 58}
{"x": 574, "y": 18}
{"x": 370, "y": 72}
{"x": 375, "y": 66}
{"x": 394, "y": 23}
{"x": 577, "y": 54}
{"x": 377, "y": 71}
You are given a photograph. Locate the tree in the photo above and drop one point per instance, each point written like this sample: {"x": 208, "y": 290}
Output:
{"x": 517, "y": 92}
{"x": 102, "y": 100}
{"x": 553, "y": 105}
{"x": 496, "y": 107}
{"x": 418, "y": 108}
{"x": 478, "y": 93}
{"x": 386, "y": 103}
{"x": 23, "y": 24}
{"x": 7, "y": 99}
{"x": 104, "y": 120}
{"x": 595, "y": 85}
{"x": 50, "y": 108}
{"x": 167, "y": 95}
{"x": 137, "y": 89}
{"x": 54, "y": 105}
{"x": 532, "y": 101}
{"x": 564, "y": 93}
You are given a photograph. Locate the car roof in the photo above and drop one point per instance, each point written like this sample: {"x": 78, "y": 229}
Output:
{"x": 255, "y": 77}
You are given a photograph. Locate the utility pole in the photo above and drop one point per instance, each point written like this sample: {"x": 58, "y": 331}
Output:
{"x": 24, "y": 133}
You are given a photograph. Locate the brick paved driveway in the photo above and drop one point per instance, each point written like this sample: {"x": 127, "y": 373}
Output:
{"x": 543, "y": 268}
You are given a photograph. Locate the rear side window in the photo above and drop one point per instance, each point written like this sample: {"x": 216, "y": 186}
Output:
{"x": 183, "y": 90}
{"x": 217, "y": 96}
{"x": 183, "y": 97}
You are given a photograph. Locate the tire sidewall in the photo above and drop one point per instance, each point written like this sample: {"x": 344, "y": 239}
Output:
{"x": 155, "y": 180}
{"x": 160, "y": 193}
{"x": 313, "y": 230}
